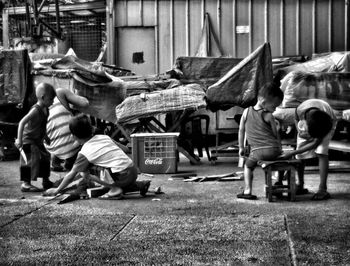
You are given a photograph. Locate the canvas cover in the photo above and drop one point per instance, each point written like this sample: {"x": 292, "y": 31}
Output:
{"x": 183, "y": 97}
{"x": 15, "y": 86}
{"x": 103, "y": 97}
{"x": 202, "y": 70}
{"x": 240, "y": 85}
{"x": 208, "y": 44}
{"x": 332, "y": 87}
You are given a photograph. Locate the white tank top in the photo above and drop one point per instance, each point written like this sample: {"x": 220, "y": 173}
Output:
{"x": 101, "y": 150}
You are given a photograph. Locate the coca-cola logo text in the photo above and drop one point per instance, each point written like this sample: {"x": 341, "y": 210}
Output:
{"x": 155, "y": 161}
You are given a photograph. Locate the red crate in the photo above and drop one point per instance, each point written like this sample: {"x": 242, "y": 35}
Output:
{"x": 155, "y": 153}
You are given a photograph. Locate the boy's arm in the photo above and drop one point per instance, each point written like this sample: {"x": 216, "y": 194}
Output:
{"x": 269, "y": 118}
{"x": 241, "y": 133}
{"x": 81, "y": 165}
{"x": 121, "y": 146}
{"x": 21, "y": 125}
{"x": 309, "y": 146}
{"x": 67, "y": 97}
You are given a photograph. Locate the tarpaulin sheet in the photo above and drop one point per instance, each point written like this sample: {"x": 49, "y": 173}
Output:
{"x": 203, "y": 70}
{"x": 14, "y": 76}
{"x": 103, "y": 97}
{"x": 184, "y": 97}
{"x": 333, "y": 87}
{"x": 135, "y": 87}
{"x": 240, "y": 86}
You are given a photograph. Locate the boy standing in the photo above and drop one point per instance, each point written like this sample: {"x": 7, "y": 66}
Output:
{"x": 30, "y": 138}
{"x": 316, "y": 123}
{"x": 63, "y": 147}
{"x": 103, "y": 152}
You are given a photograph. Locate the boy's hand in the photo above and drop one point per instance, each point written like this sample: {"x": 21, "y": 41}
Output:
{"x": 18, "y": 143}
{"x": 241, "y": 152}
{"x": 346, "y": 114}
{"x": 285, "y": 156}
{"x": 50, "y": 192}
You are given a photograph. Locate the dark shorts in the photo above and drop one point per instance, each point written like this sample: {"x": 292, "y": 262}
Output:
{"x": 38, "y": 164}
{"x": 126, "y": 177}
{"x": 265, "y": 154}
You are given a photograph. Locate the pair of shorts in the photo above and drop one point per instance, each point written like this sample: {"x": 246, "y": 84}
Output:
{"x": 38, "y": 161}
{"x": 266, "y": 154}
{"x": 125, "y": 178}
{"x": 321, "y": 149}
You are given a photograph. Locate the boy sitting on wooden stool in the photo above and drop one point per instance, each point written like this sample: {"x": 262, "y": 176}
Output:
{"x": 258, "y": 127}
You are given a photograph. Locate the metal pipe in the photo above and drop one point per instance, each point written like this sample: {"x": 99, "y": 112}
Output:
{"x": 234, "y": 39}
{"x": 330, "y": 25}
{"x": 266, "y": 21}
{"x": 297, "y": 29}
{"x": 156, "y": 33}
{"x": 218, "y": 18}
{"x": 250, "y": 36}
{"x": 203, "y": 12}
{"x": 141, "y": 11}
{"x": 187, "y": 27}
{"x": 314, "y": 26}
{"x": 282, "y": 28}
{"x": 171, "y": 31}
{"x": 347, "y": 25}
{"x": 58, "y": 22}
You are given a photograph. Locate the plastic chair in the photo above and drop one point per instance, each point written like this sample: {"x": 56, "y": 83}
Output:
{"x": 198, "y": 138}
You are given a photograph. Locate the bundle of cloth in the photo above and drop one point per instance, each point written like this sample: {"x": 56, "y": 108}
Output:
{"x": 325, "y": 76}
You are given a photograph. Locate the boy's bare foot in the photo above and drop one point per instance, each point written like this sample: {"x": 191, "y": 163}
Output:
{"x": 30, "y": 188}
{"x": 113, "y": 193}
{"x": 321, "y": 195}
{"x": 246, "y": 196}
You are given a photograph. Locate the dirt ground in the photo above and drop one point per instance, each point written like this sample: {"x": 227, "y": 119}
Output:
{"x": 190, "y": 223}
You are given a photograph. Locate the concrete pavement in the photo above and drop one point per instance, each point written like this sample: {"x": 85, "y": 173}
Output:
{"x": 191, "y": 223}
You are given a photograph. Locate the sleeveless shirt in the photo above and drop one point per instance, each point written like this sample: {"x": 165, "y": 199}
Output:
{"x": 63, "y": 144}
{"x": 259, "y": 133}
{"x": 101, "y": 150}
{"x": 35, "y": 130}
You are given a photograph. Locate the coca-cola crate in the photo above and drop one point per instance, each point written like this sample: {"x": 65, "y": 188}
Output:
{"x": 155, "y": 153}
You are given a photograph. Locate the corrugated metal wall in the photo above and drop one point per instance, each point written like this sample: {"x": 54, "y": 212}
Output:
{"x": 292, "y": 27}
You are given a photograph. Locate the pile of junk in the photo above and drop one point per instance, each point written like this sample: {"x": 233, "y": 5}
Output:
{"x": 123, "y": 103}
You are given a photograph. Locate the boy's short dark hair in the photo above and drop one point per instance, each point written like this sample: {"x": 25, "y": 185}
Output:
{"x": 319, "y": 123}
{"x": 271, "y": 90}
{"x": 80, "y": 126}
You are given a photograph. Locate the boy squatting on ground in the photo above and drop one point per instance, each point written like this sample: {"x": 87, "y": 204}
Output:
{"x": 30, "y": 137}
{"x": 259, "y": 127}
{"x": 101, "y": 151}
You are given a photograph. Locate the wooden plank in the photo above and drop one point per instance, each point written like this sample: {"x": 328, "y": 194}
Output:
{"x": 339, "y": 146}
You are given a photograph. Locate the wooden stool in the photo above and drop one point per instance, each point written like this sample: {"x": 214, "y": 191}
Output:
{"x": 289, "y": 167}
